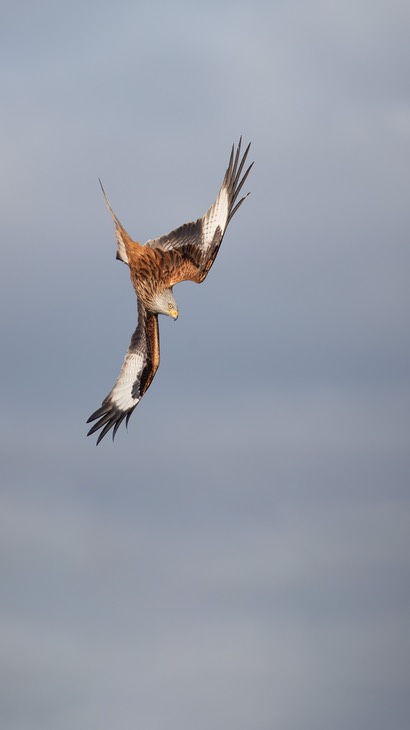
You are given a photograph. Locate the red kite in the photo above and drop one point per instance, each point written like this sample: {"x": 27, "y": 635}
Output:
{"x": 187, "y": 253}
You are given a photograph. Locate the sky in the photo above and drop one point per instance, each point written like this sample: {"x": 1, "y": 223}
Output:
{"x": 239, "y": 558}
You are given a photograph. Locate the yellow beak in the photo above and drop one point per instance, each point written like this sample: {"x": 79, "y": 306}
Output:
{"x": 173, "y": 313}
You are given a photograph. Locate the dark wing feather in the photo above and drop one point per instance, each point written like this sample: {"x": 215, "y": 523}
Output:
{"x": 196, "y": 244}
{"x": 137, "y": 372}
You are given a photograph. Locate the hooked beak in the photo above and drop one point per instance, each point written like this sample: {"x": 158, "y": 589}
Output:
{"x": 174, "y": 314}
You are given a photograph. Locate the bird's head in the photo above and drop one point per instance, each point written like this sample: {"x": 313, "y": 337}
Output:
{"x": 165, "y": 303}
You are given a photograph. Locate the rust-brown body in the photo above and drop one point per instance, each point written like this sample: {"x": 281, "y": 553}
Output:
{"x": 153, "y": 270}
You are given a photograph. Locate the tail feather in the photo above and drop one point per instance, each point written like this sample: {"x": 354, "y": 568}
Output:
{"x": 120, "y": 232}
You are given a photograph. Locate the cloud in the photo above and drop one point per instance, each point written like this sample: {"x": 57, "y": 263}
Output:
{"x": 239, "y": 557}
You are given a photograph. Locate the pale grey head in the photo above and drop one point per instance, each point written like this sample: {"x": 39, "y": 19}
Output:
{"x": 164, "y": 303}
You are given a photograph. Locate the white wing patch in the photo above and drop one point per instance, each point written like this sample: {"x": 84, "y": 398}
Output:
{"x": 121, "y": 394}
{"x": 215, "y": 217}
{"x": 137, "y": 371}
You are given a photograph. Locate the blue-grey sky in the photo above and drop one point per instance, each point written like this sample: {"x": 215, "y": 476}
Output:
{"x": 240, "y": 557}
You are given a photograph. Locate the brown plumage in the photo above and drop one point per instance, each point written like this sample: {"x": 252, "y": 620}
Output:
{"x": 186, "y": 253}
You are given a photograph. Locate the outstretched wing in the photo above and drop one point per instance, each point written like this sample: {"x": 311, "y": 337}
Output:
{"x": 194, "y": 246}
{"x": 137, "y": 372}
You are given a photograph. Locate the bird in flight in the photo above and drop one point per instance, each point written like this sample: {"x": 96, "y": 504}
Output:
{"x": 185, "y": 254}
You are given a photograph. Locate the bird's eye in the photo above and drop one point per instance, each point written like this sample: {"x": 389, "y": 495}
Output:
{"x": 170, "y": 306}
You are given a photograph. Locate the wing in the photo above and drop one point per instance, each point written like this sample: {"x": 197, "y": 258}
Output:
{"x": 137, "y": 372}
{"x": 194, "y": 246}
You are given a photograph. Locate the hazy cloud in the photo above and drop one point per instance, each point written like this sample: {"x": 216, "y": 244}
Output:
{"x": 239, "y": 558}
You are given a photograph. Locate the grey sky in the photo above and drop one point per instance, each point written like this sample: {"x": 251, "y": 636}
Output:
{"x": 239, "y": 558}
